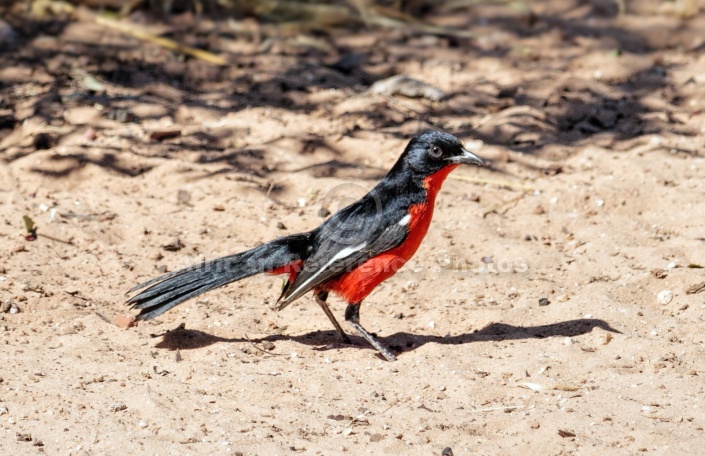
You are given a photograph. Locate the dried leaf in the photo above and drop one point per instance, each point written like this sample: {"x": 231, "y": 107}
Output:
{"x": 30, "y": 228}
{"x": 697, "y": 288}
{"x": 533, "y": 386}
{"x": 565, "y": 387}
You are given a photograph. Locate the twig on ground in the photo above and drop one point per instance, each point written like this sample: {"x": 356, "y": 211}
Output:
{"x": 135, "y": 31}
{"x": 506, "y": 203}
{"x": 492, "y": 409}
{"x": 262, "y": 349}
{"x": 498, "y": 183}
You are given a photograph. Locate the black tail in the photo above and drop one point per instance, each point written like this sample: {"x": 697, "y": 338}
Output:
{"x": 162, "y": 293}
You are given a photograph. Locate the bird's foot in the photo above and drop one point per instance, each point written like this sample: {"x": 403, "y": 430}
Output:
{"x": 384, "y": 351}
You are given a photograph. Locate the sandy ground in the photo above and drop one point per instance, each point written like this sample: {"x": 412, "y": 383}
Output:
{"x": 593, "y": 124}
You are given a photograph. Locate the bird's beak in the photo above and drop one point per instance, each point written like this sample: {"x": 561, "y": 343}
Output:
{"x": 467, "y": 158}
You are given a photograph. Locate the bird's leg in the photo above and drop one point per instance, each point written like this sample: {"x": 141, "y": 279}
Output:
{"x": 321, "y": 297}
{"x": 352, "y": 316}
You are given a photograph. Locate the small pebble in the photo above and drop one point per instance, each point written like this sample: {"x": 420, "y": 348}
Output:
{"x": 665, "y": 296}
{"x": 117, "y": 407}
{"x": 174, "y": 245}
{"x": 544, "y": 302}
{"x": 183, "y": 197}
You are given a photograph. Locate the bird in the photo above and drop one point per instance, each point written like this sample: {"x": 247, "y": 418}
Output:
{"x": 349, "y": 254}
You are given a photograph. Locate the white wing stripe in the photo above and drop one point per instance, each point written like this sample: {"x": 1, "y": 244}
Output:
{"x": 405, "y": 220}
{"x": 338, "y": 256}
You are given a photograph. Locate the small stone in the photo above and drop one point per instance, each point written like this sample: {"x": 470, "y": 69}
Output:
{"x": 281, "y": 226}
{"x": 659, "y": 273}
{"x": 323, "y": 212}
{"x": 14, "y": 309}
{"x": 219, "y": 208}
{"x": 267, "y": 345}
{"x": 183, "y": 197}
{"x": 173, "y": 245}
{"x": 535, "y": 425}
{"x": 117, "y": 407}
{"x": 376, "y": 437}
{"x": 539, "y": 210}
{"x": 544, "y": 302}
{"x": 665, "y": 296}
{"x": 447, "y": 451}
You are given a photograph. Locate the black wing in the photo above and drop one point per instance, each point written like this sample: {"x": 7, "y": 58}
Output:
{"x": 346, "y": 240}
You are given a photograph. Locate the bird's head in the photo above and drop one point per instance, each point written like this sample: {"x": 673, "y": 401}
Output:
{"x": 435, "y": 150}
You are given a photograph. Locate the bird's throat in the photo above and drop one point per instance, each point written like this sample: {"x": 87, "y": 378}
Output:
{"x": 433, "y": 182}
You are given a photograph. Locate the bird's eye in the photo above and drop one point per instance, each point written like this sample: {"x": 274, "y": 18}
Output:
{"x": 435, "y": 152}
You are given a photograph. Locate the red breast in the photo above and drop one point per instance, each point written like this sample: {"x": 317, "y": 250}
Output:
{"x": 355, "y": 285}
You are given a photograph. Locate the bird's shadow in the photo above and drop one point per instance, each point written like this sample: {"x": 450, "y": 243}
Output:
{"x": 186, "y": 339}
